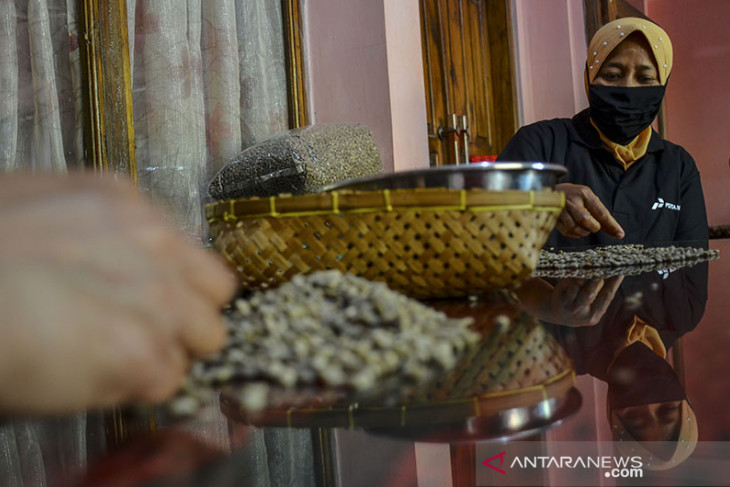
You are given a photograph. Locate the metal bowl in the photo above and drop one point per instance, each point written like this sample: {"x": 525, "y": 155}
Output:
{"x": 497, "y": 176}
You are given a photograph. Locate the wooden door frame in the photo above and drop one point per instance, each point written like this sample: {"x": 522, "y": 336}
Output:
{"x": 295, "y": 70}
{"x": 109, "y": 125}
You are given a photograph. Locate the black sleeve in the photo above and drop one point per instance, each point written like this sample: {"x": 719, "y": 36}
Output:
{"x": 530, "y": 143}
{"x": 693, "y": 216}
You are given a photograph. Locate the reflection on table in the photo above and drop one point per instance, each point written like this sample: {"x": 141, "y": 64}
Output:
{"x": 619, "y": 330}
{"x": 519, "y": 383}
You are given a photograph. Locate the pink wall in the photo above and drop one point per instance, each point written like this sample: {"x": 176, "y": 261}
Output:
{"x": 698, "y": 94}
{"x": 698, "y": 98}
{"x": 364, "y": 65}
{"x": 407, "y": 90}
{"x": 551, "y": 50}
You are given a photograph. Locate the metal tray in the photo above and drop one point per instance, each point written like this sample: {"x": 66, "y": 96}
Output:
{"x": 497, "y": 176}
{"x": 511, "y": 424}
{"x": 429, "y": 422}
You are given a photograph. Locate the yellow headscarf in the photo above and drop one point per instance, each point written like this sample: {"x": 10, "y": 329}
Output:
{"x": 603, "y": 43}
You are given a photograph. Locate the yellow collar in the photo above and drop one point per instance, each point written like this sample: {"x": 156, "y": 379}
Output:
{"x": 630, "y": 153}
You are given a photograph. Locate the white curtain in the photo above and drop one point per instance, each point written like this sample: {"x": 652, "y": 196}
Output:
{"x": 41, "y": 123}
{"x": 209, "y": 80}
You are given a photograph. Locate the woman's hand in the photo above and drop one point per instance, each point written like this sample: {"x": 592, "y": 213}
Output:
{"x": 580, "y": 302}
{"x": 101, "y": 302}
{"x": 584, "y": 213}
{"x": 571, "y": 302}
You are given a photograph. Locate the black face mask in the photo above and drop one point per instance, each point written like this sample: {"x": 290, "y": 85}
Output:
{"x": 621, "y": 112}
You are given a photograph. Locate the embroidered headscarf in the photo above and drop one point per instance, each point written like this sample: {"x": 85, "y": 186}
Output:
{"x": 602, "y": 44}
{"x": 610, "y": 35}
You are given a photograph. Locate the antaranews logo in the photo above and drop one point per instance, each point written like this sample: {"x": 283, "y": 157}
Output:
{"x": 581, "y": 466}
{"x": 660, "y": 203}
{"x": 501, "y": 462}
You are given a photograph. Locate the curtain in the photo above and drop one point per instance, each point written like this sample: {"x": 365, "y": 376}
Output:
{"x": 49, "y": 451}
{"x": 41, "y": 122}
{"x": 209, "y": 79}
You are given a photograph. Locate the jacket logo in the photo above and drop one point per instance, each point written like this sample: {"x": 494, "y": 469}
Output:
{"x": 665, "y": 272}
{"x": 660, "y": 203}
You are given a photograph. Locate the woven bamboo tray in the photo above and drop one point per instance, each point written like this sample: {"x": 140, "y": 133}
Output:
{"x": 426, "y": 243}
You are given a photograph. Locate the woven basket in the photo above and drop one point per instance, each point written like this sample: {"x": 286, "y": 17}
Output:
{"x": 426, "y": 243}
{"x": 515, "y": 366}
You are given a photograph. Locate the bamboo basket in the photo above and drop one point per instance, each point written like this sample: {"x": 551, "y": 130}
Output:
{"x": 425, "y": 243}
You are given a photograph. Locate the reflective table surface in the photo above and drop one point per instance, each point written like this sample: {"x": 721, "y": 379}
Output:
{"x": 621, "y": 380}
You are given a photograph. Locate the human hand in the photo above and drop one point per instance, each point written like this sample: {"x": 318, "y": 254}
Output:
{"x": 571, "y": 302}
{"x": 584, "y": 213}
{"x": 580, "y": 302}
{"x": 101, "y": 302}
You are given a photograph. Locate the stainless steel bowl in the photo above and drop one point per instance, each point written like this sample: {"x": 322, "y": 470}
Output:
{"x": 498, "y": 176}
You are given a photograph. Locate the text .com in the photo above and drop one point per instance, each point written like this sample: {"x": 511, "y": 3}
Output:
{"x": 625, "y": 473}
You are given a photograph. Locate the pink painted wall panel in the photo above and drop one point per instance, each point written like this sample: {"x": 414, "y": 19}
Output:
{"x": 407, "y": 90}
{"x": 698, "y": 94}
{"x": 698, "y": 112}
{"x": 551, "y": 52}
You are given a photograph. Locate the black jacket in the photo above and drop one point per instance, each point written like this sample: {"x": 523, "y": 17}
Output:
{"x": 658, "y": 200}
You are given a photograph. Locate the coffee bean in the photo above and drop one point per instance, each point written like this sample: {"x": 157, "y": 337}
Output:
{"x": 330, "y": 329}
{"x": 615, "y": 260}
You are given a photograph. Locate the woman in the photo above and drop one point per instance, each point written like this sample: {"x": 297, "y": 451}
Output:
{"x": 624, "y": 181}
